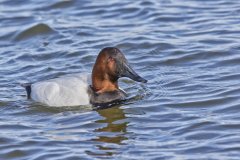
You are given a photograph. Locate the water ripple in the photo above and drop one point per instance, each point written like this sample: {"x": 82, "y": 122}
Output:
{"x": 38, "y": 29}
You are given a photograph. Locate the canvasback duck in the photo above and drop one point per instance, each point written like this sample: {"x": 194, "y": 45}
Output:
{"x": 74, "y": 90}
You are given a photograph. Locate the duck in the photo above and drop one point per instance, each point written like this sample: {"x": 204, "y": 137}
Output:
{"x": 76, "y": 90}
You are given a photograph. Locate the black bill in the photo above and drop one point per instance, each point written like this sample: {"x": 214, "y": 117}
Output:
{"x": 127, "y": 71}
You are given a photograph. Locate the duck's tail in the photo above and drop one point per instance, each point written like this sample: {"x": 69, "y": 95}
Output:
{"x": 28, "y": 88}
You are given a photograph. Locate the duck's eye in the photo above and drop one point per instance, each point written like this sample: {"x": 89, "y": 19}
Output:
{"x": 110, "y": 59}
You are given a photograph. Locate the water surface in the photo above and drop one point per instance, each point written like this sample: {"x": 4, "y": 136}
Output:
{"x": 188, "y": 50}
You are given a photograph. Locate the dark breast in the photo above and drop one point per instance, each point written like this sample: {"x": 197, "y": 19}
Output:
{"x": 107, "y": 97}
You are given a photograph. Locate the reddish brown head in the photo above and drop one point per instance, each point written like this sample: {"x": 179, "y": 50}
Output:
{"x": 110, "y": 65}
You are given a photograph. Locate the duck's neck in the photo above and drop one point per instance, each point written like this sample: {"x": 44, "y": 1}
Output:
{"x": 102, "y": 82}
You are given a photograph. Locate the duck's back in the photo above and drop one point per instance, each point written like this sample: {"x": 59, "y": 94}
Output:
{"x": 64, "y": 91}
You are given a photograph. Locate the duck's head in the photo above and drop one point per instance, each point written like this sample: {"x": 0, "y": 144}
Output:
{"x": 111, "y": 65}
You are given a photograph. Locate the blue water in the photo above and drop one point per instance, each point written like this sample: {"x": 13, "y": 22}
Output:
{"x": 188, "y": 50}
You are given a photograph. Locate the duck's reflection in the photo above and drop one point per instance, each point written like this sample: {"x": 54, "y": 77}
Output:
{"x": 114, "y": 120}
{"x": 113, "y": 133}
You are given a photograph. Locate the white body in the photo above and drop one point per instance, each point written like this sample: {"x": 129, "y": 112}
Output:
{"x": 69, "y": 90}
